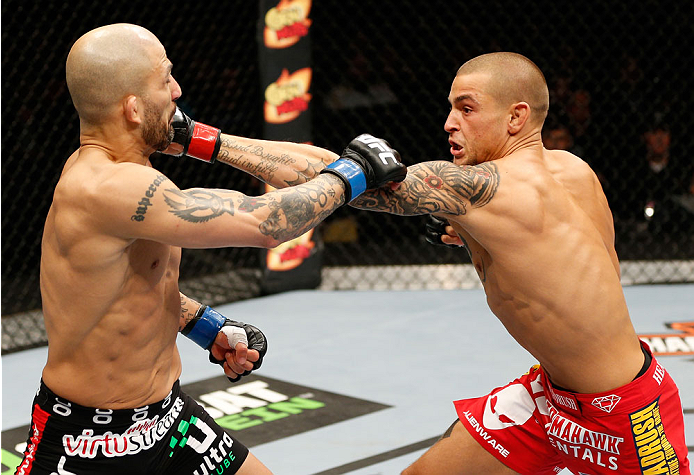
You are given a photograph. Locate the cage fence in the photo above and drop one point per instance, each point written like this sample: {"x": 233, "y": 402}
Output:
{"x": 385, "y": 69}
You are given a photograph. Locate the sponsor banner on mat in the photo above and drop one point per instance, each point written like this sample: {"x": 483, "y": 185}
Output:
{"x": 678, "y": 342}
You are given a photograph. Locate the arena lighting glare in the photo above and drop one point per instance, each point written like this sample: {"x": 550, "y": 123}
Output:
{"x": 649, "y": 210}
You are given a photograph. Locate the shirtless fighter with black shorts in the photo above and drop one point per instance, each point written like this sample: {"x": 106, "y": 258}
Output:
{"x": 109, "y": 400}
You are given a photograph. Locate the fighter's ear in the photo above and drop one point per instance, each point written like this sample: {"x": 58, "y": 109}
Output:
{"x": 518, "y": 116}
{"x": 132, "y": 109}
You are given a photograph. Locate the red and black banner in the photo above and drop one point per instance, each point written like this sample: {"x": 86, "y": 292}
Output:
{"x": 285, "y": 73}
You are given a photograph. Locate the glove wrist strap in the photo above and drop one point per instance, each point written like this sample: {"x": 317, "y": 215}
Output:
{"x": 205, "y": 143}
{"x": 203, "y": 328}
{"x": 351, "y": 173}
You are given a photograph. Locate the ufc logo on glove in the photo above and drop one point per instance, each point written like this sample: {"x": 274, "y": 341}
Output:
{"x": 374, "y": 142}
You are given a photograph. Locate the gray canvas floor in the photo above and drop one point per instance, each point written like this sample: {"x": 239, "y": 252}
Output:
{"x": 412, "y": 351}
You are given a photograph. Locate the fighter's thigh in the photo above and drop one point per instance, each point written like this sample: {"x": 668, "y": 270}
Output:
{"x": 457, "y": 453}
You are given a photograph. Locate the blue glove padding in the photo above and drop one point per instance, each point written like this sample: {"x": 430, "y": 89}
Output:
{"x": 203, "y": 328}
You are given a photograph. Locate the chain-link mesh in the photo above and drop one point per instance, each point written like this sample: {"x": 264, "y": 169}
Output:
{"x": 620, "y": 81}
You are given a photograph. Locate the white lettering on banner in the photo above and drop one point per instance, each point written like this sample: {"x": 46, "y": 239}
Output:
{"x": 258, "y": 389}
{"x": 231, "y": 401}
{"x": 485, "y": 435}
{"x": 671, "y": 344}
{"x": 142, "y": 435}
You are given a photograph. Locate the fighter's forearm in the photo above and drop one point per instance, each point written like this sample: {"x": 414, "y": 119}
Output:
{"x": 188, "y": 309}
{"x": 298, "y": 209}
{"x": 410, "y": 199}
{"x": 279, "y": 164}
{"x": 422, "y": 192}
{"x": 435, "y": 188}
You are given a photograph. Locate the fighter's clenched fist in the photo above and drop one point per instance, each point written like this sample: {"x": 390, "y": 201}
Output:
{"x": 197, "y": 139}
{"x": 366, "y": 163}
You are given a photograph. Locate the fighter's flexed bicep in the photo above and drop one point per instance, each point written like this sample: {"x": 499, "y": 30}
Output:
{"x": 437, "y": 187}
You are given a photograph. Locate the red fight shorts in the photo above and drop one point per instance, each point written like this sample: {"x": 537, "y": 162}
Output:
{"x": 534, "y": 428}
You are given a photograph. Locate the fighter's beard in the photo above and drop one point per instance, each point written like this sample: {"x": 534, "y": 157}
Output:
{"x": 164, "y": 145}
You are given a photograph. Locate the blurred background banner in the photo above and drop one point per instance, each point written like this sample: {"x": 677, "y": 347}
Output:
{"x": 284, "y": 49}
{"x": 620, "y": 81}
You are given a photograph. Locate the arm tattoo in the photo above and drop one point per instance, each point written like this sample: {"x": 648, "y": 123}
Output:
{"x": 436, "y": 187}
{"x": 293, "y": 211}
{"x": 145, "y": 202}
{"x": 197, "y": 205}
{"x": 299, "y": 209}
{"x": 234, "y": 154}
{"x": 187, "y": 314}
{"x": 304, "y": 175}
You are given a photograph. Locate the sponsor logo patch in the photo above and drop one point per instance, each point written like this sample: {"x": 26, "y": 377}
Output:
{"x": 654, "y": 450}
{"x": 576, "y": 441}
{"x": 286, "y": 23}
{"x": 565, "y": 400}
{"x": 288, "y": 96}
{"x": 606, "y": 403}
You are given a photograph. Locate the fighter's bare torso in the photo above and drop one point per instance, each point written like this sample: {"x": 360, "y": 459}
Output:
{"x": 540, "y": 235}
{"x": 547, "y": 232}
{"x": 111, "y": 304}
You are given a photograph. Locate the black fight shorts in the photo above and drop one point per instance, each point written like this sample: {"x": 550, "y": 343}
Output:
{"x": 173, "y": 436}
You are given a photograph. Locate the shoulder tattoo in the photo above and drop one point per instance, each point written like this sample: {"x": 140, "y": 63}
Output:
{"x": 144, "y": 202}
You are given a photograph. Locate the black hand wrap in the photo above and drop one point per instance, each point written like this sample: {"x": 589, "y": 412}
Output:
{"x": 256, "y": 341}
{"x": 198, "y": 140}
{"x": 376, "y": 164}
{"x": 435, "y": 230}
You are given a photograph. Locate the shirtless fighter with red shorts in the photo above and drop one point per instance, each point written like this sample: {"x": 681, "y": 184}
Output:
{"x": 540, "y": 234}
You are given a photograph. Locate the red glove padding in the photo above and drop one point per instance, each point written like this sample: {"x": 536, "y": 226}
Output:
{"x": 198, "y": 140}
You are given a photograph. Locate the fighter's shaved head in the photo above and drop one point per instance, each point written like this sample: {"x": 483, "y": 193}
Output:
{"x": 512, "y": 78}
{"x": 107, "y": 64}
